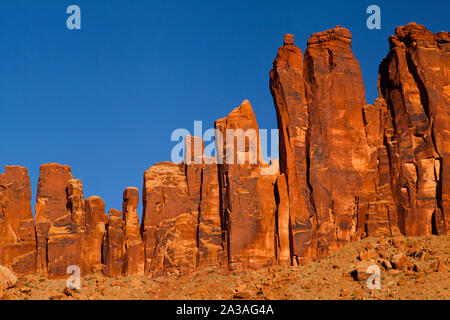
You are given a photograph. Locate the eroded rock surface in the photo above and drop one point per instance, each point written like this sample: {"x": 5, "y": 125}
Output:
{"x": 114, "y": 245}
{"x": 17, "y": 233}
{"x": 247, "y": 192}
{"x": 415, "y": 80}
{"x": 347, "y": 170}
{"x": 170, "y": 219}
{"x": 134, "y": 260}
{"x": 58, "y": 242}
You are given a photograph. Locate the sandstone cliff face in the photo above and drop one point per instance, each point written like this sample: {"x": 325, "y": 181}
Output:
{"x": 170, "y": 218}
{"x": 378, "y": 214}
{"x": 114, "y": 245}
{"x": 283, "y": 225}
{"x": 211, "y": 243}
{"x": 347, "y": 170}
{"x": 287, "y": 86}
{"x": 134, "y": 259}
{"x": 247, "y": 196}
{"x": 70, "y": 231}
{"x": 337, "y": 146}
{"x": 355, "y": 170}
{"x": 17, "y": 234}
{"x": 323, "y": 147}
{"x": 415, "y": 80}
{"x": 204, "y": 190}
{"x": 96, "y": 221}
{"x": 58, "y": 242}
{"x": 212, "y": 211}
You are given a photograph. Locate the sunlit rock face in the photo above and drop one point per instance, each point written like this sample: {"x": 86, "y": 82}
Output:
{"x": 346, "y": 170}
{"x": 248, "y": 206}
{"x": 17, "y": 232}
{"x": 415, "y": 80}
{"x": 352, "y": 169}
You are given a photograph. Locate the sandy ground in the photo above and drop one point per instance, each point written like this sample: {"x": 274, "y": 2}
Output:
{"x": 422, "y": 273}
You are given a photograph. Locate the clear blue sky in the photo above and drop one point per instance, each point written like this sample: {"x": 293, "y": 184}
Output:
{"x": 105, "y": 99}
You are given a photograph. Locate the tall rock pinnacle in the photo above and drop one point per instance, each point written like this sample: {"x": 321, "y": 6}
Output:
{"x": 346, "y": 170}
{"x": 17, "y": 233}
{"x": 414, "y": 80}
{"x": 287, "y": 86}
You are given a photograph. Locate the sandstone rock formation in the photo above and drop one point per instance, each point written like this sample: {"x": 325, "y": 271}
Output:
{"x": 69, "y": 231}
{"x": 287, "y": 86}
{"x": 58, "y": 242}
{"x": 415, "y": 82}
{"x": 347, "y": 170}
{"x": 352, "y": 169}
{"x": 7, "y": 279}
{"x": 323, "y": 147}
{"x": 114, "y": 245}
{"x": 247, "y": 197}
{"x": 211, "y": 243}
{"x": 377, "y": 214}
{"x": 17, "y": 234}
{"x": 169, "y": 220}
{"x": 282, "y": 227}
{"x": 96, "y": 221}
{"x": 134, "y": 259}
{"x": 338, "y": 153}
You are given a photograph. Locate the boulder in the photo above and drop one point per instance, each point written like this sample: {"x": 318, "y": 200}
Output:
{"x": 7, "y": 279}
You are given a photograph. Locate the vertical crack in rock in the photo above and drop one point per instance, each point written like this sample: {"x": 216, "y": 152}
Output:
{"x": 248, "y": 196}
{"x": 288, "y": 92}
{"x": 414, "y": 81}
{"x": 17, "y": 232}
{"x": 134, "y": 259}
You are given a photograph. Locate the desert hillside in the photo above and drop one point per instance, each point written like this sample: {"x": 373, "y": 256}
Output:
{"x": 423, "y": 275}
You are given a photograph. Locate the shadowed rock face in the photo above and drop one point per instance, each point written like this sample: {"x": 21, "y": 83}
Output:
{"x": 283, "y": 226}
{"x": 415, "y": 80}
{"x": 287, "y": 86}
{"x": 17, "y": 234}
{"x": 377, "y": 211}
{"x": 123, "y": 248}
{"x": 69, "y": 230}
{"x": 347, "y": 170}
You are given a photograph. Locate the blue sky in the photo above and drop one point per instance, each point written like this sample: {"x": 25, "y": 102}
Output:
{"x": 105, "y": 99}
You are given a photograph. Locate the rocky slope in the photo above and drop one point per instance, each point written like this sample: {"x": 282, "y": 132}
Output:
{"x": 424, "y": 275}
{"x": 347, "y": 170}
